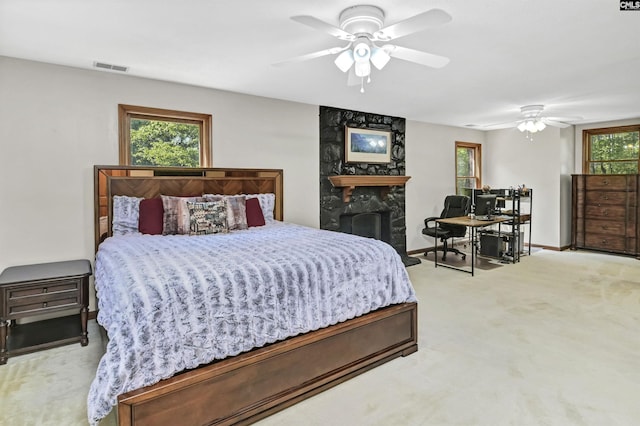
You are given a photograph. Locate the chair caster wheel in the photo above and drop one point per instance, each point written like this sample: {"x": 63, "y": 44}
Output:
{"x": 464, "y": 257}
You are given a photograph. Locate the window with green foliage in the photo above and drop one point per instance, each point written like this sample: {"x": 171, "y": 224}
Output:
{"x": 468, "y": 167}
{"x": 158, "y": 137}
{"x": 613, "y": 150}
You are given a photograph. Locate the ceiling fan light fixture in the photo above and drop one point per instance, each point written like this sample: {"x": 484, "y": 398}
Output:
{"x": 362, "y": 51}
{"x": 345, "y": 60}
{"x": 532, "y": 125}
{"x": 379, "y": 57}
{"x": 363, "y": 69}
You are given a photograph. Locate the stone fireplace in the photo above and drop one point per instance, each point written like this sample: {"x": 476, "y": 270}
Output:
{"x": 373, "y": 205}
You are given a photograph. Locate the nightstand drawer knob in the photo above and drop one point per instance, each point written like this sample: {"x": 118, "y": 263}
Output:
{"x": 44, "y": 290}
{"x": 44, "y": 304}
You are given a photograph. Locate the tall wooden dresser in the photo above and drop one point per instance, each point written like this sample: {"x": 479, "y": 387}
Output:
{"x": 605, "y": 213}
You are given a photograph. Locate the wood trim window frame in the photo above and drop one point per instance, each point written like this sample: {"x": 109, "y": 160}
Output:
{"x": 128, "y": 112}
{"x": 586, "y": 146}
{"x": 477, "y": 148}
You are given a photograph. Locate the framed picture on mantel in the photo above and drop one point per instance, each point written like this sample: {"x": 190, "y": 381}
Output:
{"x": 367, "y": 146}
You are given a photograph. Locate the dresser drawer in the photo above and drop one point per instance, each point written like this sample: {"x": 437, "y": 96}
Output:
{"x": 605, "y": 212}
{"x": 606, "y": 242}
{"x": 610, "y": 182}
{"x": 609, "y": 227}
{"x": 610, "y": 197}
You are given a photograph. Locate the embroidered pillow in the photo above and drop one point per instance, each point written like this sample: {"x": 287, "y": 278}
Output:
{"x": 208, "y": 217}
{"x": 236, "y": 209}
{"x": 267, "y": 204}
{"x": 151, "y": 216}
{"x": 125, "y": 215}
{"x": 175, "y": 219}
{"x": 254, "y": 213}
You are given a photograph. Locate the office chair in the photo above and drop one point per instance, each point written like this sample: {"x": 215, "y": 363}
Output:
{"x": 454, "y": 206}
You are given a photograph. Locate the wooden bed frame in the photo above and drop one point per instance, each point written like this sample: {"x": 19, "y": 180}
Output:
{"x": 253, "y": 385}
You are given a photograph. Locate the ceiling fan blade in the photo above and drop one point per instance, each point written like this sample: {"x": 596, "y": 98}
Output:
{"x": 499, "y": 126}
{"x": 416, "y": 56}
{"x": 420, "y": 22}
{"x": 324, "y": 27}
{"x": 555, "y": 123}
{"x": 312, "y": 55}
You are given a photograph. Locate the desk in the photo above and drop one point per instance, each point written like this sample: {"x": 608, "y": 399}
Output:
{"x": 472, "y": 224}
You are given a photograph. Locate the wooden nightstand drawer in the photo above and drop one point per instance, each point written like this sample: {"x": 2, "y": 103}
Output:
{"x": 32, "y": 306}
{"x": 49, "y": 287}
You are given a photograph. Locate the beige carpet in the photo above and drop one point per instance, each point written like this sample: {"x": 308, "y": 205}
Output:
{"x": 552, "y": 340}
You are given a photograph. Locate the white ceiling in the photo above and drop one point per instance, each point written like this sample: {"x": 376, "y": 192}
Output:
{"x": 577, "y": 57}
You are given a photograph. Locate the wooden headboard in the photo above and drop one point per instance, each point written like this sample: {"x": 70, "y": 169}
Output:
{"x": 150, "y": 182}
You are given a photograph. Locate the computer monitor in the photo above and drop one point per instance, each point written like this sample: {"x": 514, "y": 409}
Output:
{"x": 485, "y": 204}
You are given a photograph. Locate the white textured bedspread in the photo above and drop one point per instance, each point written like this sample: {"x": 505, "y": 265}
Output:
{"x": 171, "y": 303}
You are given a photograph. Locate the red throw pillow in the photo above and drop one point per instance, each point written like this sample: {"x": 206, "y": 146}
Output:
{"x": 150, "y": 220}
{"x": 254, "y": 213}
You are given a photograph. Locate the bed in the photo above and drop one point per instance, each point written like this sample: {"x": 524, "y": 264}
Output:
{"x": 207, "y": 370}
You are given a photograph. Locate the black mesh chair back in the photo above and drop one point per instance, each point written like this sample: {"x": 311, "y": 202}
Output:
{"x": 454, "y": 206}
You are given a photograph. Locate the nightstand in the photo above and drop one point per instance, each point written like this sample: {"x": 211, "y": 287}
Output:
{"x": 29, "y": 291}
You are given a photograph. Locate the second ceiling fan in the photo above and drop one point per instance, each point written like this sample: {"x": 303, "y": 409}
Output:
{"x": 367, "y": 40}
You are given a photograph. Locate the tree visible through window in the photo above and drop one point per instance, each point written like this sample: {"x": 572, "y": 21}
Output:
{"x": 613, "y": 150}
{"x": 156, "y": 137}
{"x": 468, "y": 167}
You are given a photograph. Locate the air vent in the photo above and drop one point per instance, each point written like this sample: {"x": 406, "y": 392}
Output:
{"x": 110, "y": 67}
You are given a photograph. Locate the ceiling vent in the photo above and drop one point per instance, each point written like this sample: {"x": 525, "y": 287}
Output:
{"x": 105, "y": 66}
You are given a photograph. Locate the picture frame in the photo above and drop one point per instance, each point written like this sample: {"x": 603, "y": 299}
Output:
{"x": 367, "y": 146}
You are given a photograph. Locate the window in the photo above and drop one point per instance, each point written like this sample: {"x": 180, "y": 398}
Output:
{"x": 613, "y": 150}
{"x": 161, "y": 137}
{"x": 468, "y": 167}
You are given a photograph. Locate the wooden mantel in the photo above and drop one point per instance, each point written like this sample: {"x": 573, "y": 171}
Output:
{"x": 349, "y": 182}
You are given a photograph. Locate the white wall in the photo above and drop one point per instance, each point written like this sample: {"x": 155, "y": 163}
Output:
{"x": 511, "y": 160}
{"x": 430, "y": 161}
{"x": 57, "y": 122}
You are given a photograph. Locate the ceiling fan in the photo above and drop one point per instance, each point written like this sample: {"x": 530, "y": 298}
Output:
{"x": 367, "y": 40}
{"x": 533, "y": 121}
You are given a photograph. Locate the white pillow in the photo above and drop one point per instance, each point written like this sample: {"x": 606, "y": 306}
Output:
{"x": 267, "y": 204}
{"x": 126, "y": 211}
